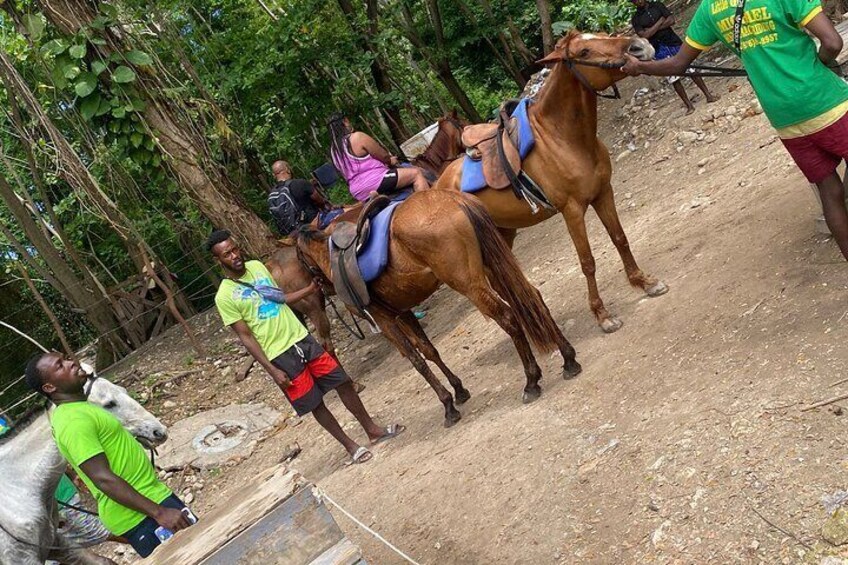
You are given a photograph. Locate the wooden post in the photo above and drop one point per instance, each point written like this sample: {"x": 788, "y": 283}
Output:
{"x": 53, "y": 319}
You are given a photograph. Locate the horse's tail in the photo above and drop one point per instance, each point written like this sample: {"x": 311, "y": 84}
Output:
{"x": 508, "y": 280}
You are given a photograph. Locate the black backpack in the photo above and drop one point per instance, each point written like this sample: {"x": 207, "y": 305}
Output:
{"x": 283, "y": 209}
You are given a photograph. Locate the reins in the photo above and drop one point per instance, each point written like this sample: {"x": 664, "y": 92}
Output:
{"x": 318, "y": 276}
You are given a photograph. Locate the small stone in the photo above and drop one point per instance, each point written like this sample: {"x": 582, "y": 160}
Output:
{"x": 703, "y": 162}
{"x": 437, "y": 545}
{"x": 622, "y": 155}
{"x": 836, "y": 410}
{"x": 189, "y": 498}
{"x": 835, "y": 530}
{"x": 169, "y": 404}
{"x": 755, "y": 545}
{"x": 687, "y": 137}
{"x": 730, "y": 110}
{"x": 628, "y": 195}
{"x": 652, "y": 506}
{"x": 831, "y": 560}
{"x": 658, "y": 535}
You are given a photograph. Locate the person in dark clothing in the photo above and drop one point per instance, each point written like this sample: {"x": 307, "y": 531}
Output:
{"x": 310, "y": 202}
{"x": 653, "y": 21}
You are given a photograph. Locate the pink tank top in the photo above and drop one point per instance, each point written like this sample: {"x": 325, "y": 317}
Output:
{"x": 363, "y": 174}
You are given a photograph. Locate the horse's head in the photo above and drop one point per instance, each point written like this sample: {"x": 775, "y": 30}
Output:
{"x": 598, "y": 56}
{"x": 313, "y": 253}
{"x": 146, "y": 428}
{"x": 446, "y": 145}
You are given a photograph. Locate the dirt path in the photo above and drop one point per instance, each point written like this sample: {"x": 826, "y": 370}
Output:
{"x": 683, "y": 425}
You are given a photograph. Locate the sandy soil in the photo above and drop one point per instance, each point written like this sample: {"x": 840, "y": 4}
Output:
{"x": 683, "y": 436}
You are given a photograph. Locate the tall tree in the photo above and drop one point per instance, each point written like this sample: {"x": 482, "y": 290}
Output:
{"x": 187, "y": 150}
{"x": 367, "y": 38}
{"x": 544, "y": 9}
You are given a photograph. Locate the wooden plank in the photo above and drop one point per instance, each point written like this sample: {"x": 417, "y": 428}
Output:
{"x": 343, "y": 553}
{"x": 246, "y": 507}
{"x": 296, "y": 532}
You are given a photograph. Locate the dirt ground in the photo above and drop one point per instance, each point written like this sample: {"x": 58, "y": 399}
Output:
{"x": 683, "y": 441}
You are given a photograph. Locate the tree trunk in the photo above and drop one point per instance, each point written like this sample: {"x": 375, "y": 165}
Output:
{"x": 438, "y": 61}
{"x": 544, "y": 8}
{"x": 54, "y": 321}
{"x": 505, "y": 58}
{"x": 62, "y": 277}
{"x": 390, "y": 110}
{"x": 205, "y": 183}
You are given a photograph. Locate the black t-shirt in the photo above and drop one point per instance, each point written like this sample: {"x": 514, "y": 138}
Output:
{"x": 301, "y": 193}
{"x": 648, "y": 16}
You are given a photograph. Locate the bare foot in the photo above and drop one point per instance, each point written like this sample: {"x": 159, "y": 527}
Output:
{"x": 689, "y": 110}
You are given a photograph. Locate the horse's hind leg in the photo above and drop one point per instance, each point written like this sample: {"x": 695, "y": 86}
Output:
{"x": 605, "y": 208}
{"x": 574, "y": 215}
{"x": 393, "y": 333}
{"x": 415, "y": 333}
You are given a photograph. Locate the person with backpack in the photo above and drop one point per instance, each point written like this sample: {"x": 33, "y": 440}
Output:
{"x": 295, "y": 202}
{"x": 793, "y": 78}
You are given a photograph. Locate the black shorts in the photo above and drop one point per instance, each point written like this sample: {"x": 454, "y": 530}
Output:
{"x": 313, "y": 373}
{"x": 389, "y": 182}
{"x": 143, "y": 538}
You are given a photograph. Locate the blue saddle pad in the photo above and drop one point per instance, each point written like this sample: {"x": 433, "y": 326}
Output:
{"x": 374, "y": 255}
{"x": 472, "y": 171}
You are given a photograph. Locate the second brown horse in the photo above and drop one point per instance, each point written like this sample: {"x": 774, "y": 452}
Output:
{"x": 442, "y": 237}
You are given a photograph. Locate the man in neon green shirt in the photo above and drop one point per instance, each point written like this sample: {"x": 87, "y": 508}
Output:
{"x": 131, "y": 502}
{"x": 804, "y": 101}
{"x": 250, "y": 302}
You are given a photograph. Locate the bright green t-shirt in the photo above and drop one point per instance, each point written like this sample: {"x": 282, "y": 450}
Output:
{"x": 83, "y": 430}
{"x": 66, "y": 489}
{"x": 792, "y": 84}
{"x": 273, "y": 325}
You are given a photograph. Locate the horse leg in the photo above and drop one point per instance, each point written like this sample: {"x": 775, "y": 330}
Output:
{"x": 314, "y": 307}
{"x": 69, "y": 555}
{"x": 574, "y": 215}
{"x": 492, "y": 306}
{"x": 394, "y": 334}
{"x": 570, "y": 367}
{"x": 415, "y": 334}
{"x": 509, "y": 235}
{"x": 605, "y": 208}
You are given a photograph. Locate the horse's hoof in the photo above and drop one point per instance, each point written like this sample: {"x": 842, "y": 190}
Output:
{"x": 462, "y": 396}
{"x": 657, "y": 289}
{"x": 531, "y": 395}
{"x": 452, "y": 418}
{"x": 611, "y": 324}
{"x": 571, "y": 369}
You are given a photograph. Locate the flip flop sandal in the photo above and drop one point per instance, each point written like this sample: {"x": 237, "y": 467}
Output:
{"x": 392, "y": 431}
{"x": 361, "y": 455}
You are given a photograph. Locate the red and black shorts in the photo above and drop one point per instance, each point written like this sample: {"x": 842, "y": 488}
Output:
{"x": 313, "y": 373}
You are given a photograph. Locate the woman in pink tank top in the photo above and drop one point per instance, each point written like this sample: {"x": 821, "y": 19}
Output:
{"x": 366, "y": 165}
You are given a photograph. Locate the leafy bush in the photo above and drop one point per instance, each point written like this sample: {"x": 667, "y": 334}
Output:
{"x": 594, "y": 15}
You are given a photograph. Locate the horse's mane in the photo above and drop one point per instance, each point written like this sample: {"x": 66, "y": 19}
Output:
{"x": 310, "y": 234}
{"x": 30, "y": 416}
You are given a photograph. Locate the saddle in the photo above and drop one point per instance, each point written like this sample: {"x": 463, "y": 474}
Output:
{"x": 345, "y": 242}
{"x": 483, "y": 142}
{"x": 498, "y": 149}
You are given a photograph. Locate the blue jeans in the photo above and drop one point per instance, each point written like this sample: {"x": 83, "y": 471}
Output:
{"x": 142, "y": 537}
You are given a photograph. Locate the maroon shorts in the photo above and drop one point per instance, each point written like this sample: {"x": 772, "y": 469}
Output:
{"x": 313, "y": 373}
{"x": 818, "y": 154}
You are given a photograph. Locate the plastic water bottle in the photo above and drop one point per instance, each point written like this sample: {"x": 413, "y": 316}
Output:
{"x": 163, "y": 534}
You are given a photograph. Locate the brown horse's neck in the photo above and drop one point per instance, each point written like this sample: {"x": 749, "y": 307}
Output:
{"x": 318, "y": 252}
{"x": 443, "y": 149}
{"x": 566, "y": 107}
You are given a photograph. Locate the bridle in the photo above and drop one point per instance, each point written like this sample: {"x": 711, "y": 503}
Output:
{"x": 321, "y": 280}
{"x": 573, "y": 63}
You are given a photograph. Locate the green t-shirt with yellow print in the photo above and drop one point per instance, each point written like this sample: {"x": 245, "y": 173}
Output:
{"x": 792, "y": 84}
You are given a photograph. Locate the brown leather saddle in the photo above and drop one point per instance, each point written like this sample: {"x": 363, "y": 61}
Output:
{"x": 497, "y": 145}
{"x": 482, "y": 141}
{"x": 345, "y": 242}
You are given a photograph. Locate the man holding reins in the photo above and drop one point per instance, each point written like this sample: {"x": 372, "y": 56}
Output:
{"x": 803, "y": 99}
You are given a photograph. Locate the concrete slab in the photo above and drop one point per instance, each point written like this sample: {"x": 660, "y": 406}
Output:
{"x": 210, "y": 439}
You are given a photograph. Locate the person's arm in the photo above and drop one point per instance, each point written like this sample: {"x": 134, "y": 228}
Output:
{"x": 249, "y": 341}
{"x": 299, "y": 295}
{"x": 831, "y": 42}
{"x": 97, "y": 469}
{"x": 373, "y": 148}
{"x": 667, "y": 67}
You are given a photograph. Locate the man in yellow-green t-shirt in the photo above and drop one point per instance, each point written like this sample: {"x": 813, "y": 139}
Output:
{"x": 251, "y": 303}
{"x": 131, "y": 501}
{"x": 804, "y": 101}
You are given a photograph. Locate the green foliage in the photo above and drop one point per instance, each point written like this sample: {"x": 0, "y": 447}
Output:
{"x": 594, "y": 15}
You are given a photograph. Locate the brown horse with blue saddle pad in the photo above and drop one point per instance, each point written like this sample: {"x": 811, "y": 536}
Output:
{"x": 557, "y": 164}
{"x": 431, "y": 238}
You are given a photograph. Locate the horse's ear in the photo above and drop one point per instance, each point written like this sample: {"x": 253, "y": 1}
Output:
{"x": 559, "y": 49}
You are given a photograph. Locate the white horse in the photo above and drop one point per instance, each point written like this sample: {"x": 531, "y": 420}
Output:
{"x": 30, "y": 469}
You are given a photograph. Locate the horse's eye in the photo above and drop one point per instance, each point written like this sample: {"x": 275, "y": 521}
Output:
{"x": 111, "y": 404}
{"x": 584, "y": 53}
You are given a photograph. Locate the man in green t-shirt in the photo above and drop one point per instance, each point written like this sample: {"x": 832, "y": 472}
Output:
{"x": 250, "y": 302}
{"x": 804, "y": 101}
{"x": 131, "y": 501}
